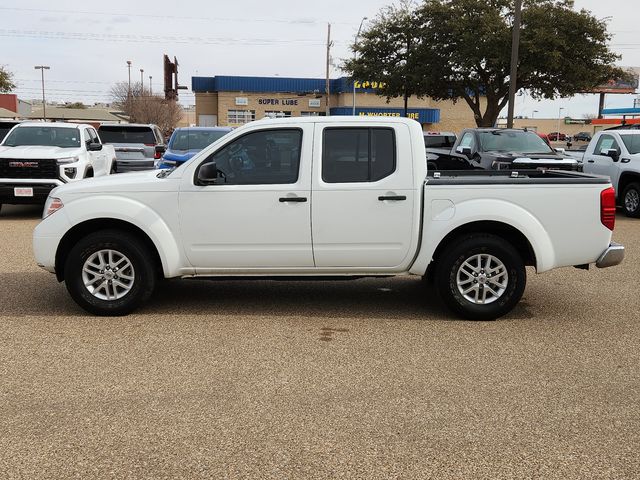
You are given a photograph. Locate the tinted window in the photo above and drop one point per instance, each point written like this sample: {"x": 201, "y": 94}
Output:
{"x": 5, "y": 127}
{"x": 468, "y": 140}
{"x": 358, "y": 154}
{"x": 93, "y": 135}
{"x": 606, "y": 142}
{"x": 264, "y": 157}
{"x": 632, "y": 142}
{"x": 439, "y": 141}
{"x": 194, "y": 139}
{"x": 125, "y": 134}
{"x": 513, "y": 141}
{"x": 44, "y": 136}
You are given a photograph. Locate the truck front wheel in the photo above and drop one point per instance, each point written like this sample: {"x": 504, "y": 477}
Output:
{"x": 631, "y": 200}
{"x": 481, "y": 277}
{"x": 107, "y": 273}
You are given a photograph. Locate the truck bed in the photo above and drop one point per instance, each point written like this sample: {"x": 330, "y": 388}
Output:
{"x": 512, "y": 177}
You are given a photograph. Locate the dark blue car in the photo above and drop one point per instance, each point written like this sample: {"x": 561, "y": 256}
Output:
{"x": 186, "y": 142}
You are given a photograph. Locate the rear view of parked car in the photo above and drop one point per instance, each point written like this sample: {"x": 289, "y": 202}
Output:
{"x": 137, "y": 147}
{"x": 186, "y": 142}
{"x": 557, "y": 137}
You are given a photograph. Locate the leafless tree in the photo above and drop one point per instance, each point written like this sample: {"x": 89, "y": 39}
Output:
{"x": 143, "y": 107}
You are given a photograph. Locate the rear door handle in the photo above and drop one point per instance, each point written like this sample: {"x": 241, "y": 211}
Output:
{"x": 293, "y": 199}
{"x": 395, "y": 198}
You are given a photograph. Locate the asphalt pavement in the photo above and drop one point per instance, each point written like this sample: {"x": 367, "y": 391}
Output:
{"x": 364, "y": 379}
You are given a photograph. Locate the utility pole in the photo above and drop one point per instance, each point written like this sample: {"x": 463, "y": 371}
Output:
{"x": 42, "y": 68}
{"x": 329, "y": 44}
{"x": 355, "y": 56}
{"x": 513, "y": 76}
{"x": 141, "y": 82}
{"x": 150, "y": 85}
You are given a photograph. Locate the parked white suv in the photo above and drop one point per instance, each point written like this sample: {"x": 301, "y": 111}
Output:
{"x": 36, "y": 157}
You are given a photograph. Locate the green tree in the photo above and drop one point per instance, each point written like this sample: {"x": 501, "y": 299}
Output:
{"x": 6, "y": 81}
{"x": 461, "y": 50}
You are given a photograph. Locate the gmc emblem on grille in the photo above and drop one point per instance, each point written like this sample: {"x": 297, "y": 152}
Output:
{"x": 23, "y": 164}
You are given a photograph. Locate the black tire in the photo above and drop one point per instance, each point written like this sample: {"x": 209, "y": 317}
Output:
{"x": 89, "y": 173}
{"x": 124, "y": 244}
{"x": 502, "y": 300}
{"x": 631, "y": 200}
{"x": 114, "y": 168}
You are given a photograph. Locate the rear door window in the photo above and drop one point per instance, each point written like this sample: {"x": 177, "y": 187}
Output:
{"x": 358, "y": 154}
{"x": 125, "y": 134}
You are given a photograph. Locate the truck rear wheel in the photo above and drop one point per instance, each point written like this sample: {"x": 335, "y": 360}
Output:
{"x": 631, "y": 200}
{"x": 481, "y": 277}
{"x": 107, "y": 273}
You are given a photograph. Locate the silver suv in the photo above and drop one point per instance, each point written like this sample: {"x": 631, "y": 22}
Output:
{"x": 137, "y": 146}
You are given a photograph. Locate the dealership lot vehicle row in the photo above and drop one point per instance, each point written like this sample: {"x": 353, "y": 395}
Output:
{"x": 373, "y": 377}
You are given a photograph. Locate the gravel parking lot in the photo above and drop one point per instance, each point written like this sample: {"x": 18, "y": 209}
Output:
{"x": 364, "y": 379}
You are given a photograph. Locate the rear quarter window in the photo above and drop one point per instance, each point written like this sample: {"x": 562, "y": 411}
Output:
{"x": 124, "y": 134}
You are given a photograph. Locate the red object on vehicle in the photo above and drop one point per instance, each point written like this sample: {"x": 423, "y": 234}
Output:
{"x": 608, "y": 208}
{"x": 544, "y": 137}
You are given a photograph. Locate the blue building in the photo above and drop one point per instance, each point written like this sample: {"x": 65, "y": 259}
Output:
{"x": 233, "y": 101}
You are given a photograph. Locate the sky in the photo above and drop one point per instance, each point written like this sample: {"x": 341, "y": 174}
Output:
{"x": 87, "y": 49}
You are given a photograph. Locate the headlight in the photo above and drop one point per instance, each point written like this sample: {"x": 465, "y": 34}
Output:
{"x": 52, "y": 206}
{"x": 62, "y": 161}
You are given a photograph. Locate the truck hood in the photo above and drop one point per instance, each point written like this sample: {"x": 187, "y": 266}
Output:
{"x": 39, "y": 152}
{"x": 120, "y": 183}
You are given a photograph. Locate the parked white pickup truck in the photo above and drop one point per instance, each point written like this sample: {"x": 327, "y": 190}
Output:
{"x": 320, "y": 198}
{"x": 36, "y": 157}
{"x": 616, "y": 154}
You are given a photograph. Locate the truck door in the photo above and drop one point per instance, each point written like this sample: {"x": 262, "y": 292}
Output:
{"x": 259, "y": 215}
{"x": 602, "y": 164}
{"x": 99, "y": 157}
{"x": 363, "y": 196}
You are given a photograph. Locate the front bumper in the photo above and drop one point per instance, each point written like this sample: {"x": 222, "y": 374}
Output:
{"x": 612, "y": 256}
{"x": 41, "y": 189}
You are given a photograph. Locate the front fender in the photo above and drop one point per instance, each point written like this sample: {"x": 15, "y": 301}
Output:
{"x": 157, "y": 228}
{"x": 437, "y": 226}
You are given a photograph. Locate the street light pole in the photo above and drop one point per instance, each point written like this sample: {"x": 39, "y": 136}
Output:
{"x": 129, "y": 68}
{"x": 558, "y": 130}
{"x": 141, "y": 80}
{"x": 42, "y": 68}
{"x": 150, "y": 85}
{"x": 513, "y": 76}
{"x": 355, "y": 56}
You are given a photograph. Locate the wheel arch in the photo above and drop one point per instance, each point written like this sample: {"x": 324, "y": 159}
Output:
{"x": 625, "y": 179}
{"x": 80, "y": 230}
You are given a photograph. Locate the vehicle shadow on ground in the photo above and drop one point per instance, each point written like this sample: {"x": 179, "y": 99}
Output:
{"x": 39, "y": 294}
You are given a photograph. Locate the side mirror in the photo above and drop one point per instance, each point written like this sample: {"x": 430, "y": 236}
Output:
{"x": 94, "y": 147}
{"x": 208, "y": 174}
{"x": 611, "y": 152}
{"x": 161, "y": 149}
{"x": 464, "y": 151}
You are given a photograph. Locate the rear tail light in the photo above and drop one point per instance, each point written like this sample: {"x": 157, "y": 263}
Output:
{"x": 157, "y": 155}
{"x": 608, "y": 208}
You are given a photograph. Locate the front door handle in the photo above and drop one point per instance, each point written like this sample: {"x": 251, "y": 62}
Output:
{"x": 395, "y": 198}
{"x": 293, "y": 199}
{"x": 591, "y": 161}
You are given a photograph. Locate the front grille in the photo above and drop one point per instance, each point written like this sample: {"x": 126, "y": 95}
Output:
{"x": 32, "y": 168}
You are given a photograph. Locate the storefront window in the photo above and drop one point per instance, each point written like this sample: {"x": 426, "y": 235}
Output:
{"x": 276, "y": 114}
{"x": 241, "y": 116}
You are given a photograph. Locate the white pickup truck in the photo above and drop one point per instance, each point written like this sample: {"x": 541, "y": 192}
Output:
{"x": 324, "y": 198}
{"x": 36, "y": 157}
{"x": 616, "y": 154}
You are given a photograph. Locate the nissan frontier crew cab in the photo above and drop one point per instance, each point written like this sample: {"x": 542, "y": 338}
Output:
{"x": 323, "y": 198}
{"x": 36, "y": 157}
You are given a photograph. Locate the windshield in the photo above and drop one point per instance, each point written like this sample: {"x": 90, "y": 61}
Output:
{"x": 513, "y": 141}
{"x": 124, "y": 134}
{"x": 632, "y": 142}
{"x": 194, "y": 139}
{"x": 439, "y": 141}
{"x": 43, "y": 136}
